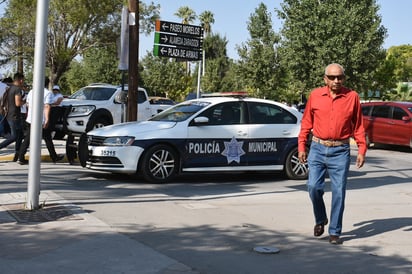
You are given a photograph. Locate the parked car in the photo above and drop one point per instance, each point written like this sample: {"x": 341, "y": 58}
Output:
{"x": 219, "y": 134}
{"x": 388, "y": 123}
{"x": 97, "y": 105}
{"x": 100, "y": 104}
{"x": 159, "y": 104}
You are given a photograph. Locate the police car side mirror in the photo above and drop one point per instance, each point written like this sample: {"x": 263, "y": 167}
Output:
{"x": 201, "y": 120}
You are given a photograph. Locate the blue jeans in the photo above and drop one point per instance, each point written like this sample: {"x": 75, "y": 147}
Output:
{"x": 16, "y": 134}
{"x": 335, "y": 161}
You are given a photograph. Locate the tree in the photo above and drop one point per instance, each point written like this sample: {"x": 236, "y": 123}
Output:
{"x": 75, "y": 26}
{"x": 187, "y": 15}
{"x": 165, "y": 77}
{"x": 17, "y": 33}
{"x": 318, "y": 32}
{"x": 403, "y": 92}
{"x": 206, "y": 20}
{"x": 217, "y": 63}
{"x": 259, "y": 63}
{"x": 99, "y": 65}
{"x": 402, "y": 56}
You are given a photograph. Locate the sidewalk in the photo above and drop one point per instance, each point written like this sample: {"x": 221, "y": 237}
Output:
{"x": 7, "y": 153}
{"x": 62, "y": 238}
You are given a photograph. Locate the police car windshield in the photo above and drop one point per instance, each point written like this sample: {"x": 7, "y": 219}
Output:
{"x": 180, "y": 112}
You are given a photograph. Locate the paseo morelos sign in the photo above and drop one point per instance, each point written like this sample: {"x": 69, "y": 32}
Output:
{"x": 179, "y": 41}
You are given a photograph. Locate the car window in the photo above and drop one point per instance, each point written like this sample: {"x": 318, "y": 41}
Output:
{"x": 179, "y": 112}
{"x": 93, "y": 93}
{"x": 261, "y": 113}
{"x": 229, "y": 113}
{"x": 381, "y": 111}
{"x": 141, "y": 96}
{"x": 366, "y": 110}
{"x": 398, "y": 113}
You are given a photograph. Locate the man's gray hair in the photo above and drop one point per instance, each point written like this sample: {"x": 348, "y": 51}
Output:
{"x": 334, "y": 64}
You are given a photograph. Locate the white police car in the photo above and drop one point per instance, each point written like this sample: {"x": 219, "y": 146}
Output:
{"x": 217, "y": 134}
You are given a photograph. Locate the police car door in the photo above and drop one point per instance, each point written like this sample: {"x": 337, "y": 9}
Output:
{"x": 273, "y": 130}
{"x": 216, "y": 138}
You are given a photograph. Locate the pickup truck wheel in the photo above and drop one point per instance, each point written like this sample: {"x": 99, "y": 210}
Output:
{"x": 97, "y": 122}
{"x": 160, "y": 164}
{"x": 294, "y": 169}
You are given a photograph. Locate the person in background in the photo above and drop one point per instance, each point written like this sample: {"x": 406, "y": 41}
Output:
{"x": 3, "y": 88}
{"x": 13, "y": 117}
{"x": 56, "y": 110}
{"x": 23, "y": 116}
{"x": 333, "y": 115}
{"x": 48, "y": 100}
{"x": 57, "y": 96}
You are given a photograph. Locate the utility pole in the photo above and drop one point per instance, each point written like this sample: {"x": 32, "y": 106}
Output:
{"x": 133, "y": 60}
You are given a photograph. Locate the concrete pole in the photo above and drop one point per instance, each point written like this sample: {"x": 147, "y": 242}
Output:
{"x": 33, "y": 189}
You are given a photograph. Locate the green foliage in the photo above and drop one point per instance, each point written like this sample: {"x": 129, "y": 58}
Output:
{"x": 402, "y": 57}
{"x": 206, "y": 20}
{"x": 148, "y": 14}
{"x": 317, "y": 33}
{"x": 74, "y": 28}
{"x": 403, "y": 92}
{"x": 187, "y": 15}
{"x": 259, "y": 64}
{"x": 165, "y": 77}
{"x": 217, "y": 63}
{"x": 99, "y": 65}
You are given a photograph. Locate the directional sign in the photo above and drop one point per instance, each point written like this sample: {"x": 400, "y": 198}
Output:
{"x": 179, "y": 53}
{"x": 183, "y": 29}
{"x": 177, "y": 40}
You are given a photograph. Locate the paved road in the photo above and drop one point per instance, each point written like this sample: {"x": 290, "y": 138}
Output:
{"x": 208, "y": 223}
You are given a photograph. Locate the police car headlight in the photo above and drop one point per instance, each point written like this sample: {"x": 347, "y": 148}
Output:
{"x": 118, "y": 141}
{"x": 81, "y": 110}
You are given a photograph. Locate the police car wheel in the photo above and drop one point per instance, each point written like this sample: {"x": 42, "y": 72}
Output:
{"x": 294, "y": 169}
{"x": 160, "y": 164}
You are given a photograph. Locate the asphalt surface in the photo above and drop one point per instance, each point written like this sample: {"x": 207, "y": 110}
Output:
{"x": 212, "y": 233}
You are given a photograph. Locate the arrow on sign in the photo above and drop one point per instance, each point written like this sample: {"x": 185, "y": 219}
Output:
{"x": 176, "y": 52}
{"x": 183, "y": 29}
{"x": 177, "y": 40}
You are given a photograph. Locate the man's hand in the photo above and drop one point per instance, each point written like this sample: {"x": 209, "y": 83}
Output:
{"x": 302, "y": 156}
{"x": 360, "y": 160}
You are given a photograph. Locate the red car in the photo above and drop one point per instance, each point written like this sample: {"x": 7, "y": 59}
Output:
{"x": 388, "y": 123}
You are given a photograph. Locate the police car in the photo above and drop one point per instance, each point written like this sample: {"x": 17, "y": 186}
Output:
{"x": 216, "y": 134}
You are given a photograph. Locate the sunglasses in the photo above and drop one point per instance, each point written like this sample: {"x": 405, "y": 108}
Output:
{"x": 333, "y": 77}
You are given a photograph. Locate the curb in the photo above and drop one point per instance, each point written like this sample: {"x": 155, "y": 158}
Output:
{"x": 43, "y": 158}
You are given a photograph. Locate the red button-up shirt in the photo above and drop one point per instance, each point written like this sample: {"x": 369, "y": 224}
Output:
{"x": 333, "y": 118}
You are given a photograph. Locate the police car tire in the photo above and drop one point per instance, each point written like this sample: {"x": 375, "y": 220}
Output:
{"x": 153, "y": 166}
{"x": 293, "y": 168}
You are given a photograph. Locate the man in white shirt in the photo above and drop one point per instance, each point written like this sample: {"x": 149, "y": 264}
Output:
{"x": 48, "y": 99}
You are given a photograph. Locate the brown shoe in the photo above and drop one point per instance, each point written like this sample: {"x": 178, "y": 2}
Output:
{"x": 333, "y": 239}
{"x": 319, "y": 228}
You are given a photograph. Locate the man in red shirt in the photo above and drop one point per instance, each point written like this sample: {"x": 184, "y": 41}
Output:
{"x": 333, "y": 115}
